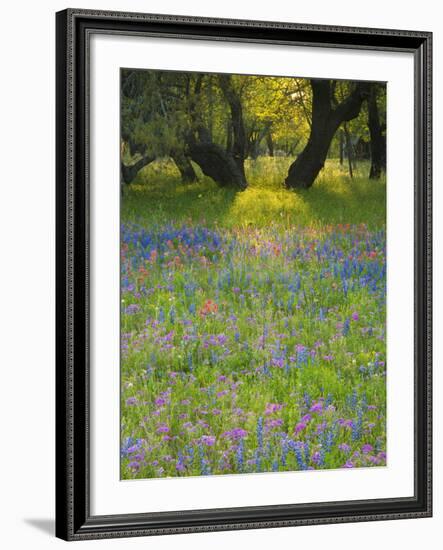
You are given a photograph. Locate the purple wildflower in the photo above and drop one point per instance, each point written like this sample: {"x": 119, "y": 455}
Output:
{"x": 278, "y": 362}
{"x": 208, "y": 440}
{"x": 345, "y": 423}
{"x": 299, "y": 427}
{"x": 274, "y": 423}
{"x": 131, "y": 401}
{"x": 180, "y": 467}
{"x": 317, "y": 407}
{"x": 236, "y": 434}
{"x": 159, "y": 402}
{"x": 132, "y": 309}
{"x": 272, "y": 408}
{"x": 321, "y": 428}
{"x": 162, "y": 428}
{"x": 316, "y": 457}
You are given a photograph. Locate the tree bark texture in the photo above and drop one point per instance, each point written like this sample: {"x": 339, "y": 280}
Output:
{"x": 185, "y": 167}
{"x": 326, "y": 118}
{"x": 128, "y": 173}
{"x": 238, "y": 149}
{"x": 224, "y": 166}
{"x": 217, "y": 164}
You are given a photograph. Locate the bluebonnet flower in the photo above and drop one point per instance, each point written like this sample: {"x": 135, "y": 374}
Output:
{"x": 172, "y": 315}
{"x": 297, "y": 448}
{"x": 260, "y": 434}
{"x": 240, "y": 455}
{"x": 346, "y": 326}
{"x": 126, "y": 445}
{"x": 357, "y": 426}
{"x": 204, "y": 464}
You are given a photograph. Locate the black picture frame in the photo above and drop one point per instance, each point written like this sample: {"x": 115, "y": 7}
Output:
{"x": 73, "y": 518}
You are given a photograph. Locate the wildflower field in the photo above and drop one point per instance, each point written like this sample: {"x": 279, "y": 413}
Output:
{"x": 252, "y": 323}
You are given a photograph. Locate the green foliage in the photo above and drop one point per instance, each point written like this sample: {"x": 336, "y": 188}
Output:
{"x": 160, "y": 109}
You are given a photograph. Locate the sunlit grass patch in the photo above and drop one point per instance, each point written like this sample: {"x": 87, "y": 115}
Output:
{"x": 159, "y": 196}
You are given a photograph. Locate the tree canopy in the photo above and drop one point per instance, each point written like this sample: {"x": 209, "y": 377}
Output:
{"x": 217, "y": 121}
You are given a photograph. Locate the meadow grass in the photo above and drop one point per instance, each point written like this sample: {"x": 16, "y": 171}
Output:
{"x": 253, "y": 324}
{"x": 158, "y": 196}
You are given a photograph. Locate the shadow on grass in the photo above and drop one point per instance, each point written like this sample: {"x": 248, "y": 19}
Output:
{"x": 164, "y": 200}
{"x": 346, "y": 201}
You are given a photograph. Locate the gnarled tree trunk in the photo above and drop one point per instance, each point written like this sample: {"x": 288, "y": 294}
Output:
{"x": 224, "y": 166}
{"x": 185, "y": 167}
{"x": 326, "y": 118}
{"x": 238, "y": 148}
{"x": 217, "y": 164}
{"x": 128, "y": 173}
{"x": 229, "y": 137}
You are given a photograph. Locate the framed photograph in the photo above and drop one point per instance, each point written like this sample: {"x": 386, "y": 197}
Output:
{"x": 243, "y": 274}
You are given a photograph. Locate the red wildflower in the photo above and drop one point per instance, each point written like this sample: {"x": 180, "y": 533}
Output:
{"x": 209, "y": 307}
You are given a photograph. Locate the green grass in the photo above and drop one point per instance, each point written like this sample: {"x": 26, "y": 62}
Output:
{"x": 158, "y": 196}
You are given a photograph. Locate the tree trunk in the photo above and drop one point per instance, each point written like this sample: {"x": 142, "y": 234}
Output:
{"x": 225, "y": 167}
{"x": 255, "y": 151}
{"x": 310, "y": 161}
{"x": 229, "y": 137}
{"x": 238, "y": 129}
{"x": 128, "y": 173}
{"x": 325, "y": 121}
{"x": 210, "y": 109}
{"x": 349, "y": 152}
{"x": 270, "y": 144}
{"x": 253, "y": 148}
{"x": 255, "y": 139}
{"x": 377, "y": 141}
{"x": 217, "y": 164}
{"x": 185, "y": 167}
